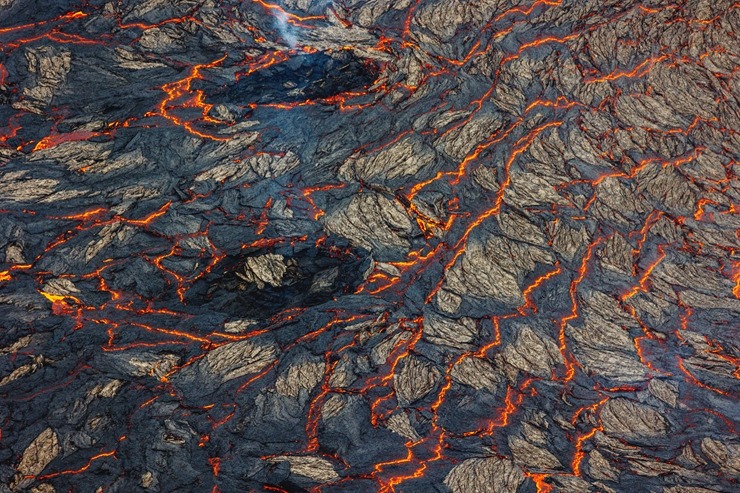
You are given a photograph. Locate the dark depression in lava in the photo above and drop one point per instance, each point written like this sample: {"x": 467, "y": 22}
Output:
{"x": 369, "y": 246}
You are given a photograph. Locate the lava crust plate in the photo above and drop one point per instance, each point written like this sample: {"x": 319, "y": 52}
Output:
{"x": 410, "y": 246}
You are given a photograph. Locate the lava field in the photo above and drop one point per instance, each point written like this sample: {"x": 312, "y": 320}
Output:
{"x": 410, "y": 246}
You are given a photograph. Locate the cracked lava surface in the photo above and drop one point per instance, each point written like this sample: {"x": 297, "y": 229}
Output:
{"x": 369, "y": 246}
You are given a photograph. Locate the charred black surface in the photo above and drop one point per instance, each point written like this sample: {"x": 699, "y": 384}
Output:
{"x": 302, "y": 77}
{"x": 382, "y": 246}
{"x": 262, "y": 282}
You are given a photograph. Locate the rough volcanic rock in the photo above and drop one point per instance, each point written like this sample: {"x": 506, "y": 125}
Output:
{"x": 369, "y": 246}
{"x": 226, "y": 363}
{"x": 415, "y": 380}
{"x": 532, "y": 353}
{"x": 41, "y": 451}
{"x": 489, "y": 475}
{"x": 623, "y": 417}
{"x": 372, "y": 221}
{"x": 316, "y": 469}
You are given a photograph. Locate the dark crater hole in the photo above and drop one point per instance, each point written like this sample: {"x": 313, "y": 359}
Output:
{"x": 261, "y": 282}
{"x": 302, "y": 77}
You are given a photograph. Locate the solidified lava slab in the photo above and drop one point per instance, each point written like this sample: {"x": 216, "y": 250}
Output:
{"x": 369, "y": 246}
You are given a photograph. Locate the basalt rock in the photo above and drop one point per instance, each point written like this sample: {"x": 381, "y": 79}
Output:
{"x": 369, "y": 246}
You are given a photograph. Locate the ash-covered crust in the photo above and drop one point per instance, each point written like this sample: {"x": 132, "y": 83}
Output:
{"x": 369, "y": 245}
